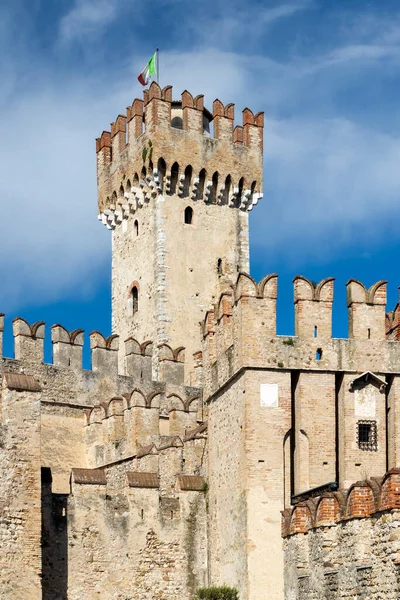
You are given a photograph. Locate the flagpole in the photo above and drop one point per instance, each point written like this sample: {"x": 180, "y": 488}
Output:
{"x": 158, "y": 64}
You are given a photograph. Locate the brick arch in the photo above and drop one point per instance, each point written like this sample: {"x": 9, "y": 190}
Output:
{"x": 360, "y": 500}
{"x": 327, "y": 510}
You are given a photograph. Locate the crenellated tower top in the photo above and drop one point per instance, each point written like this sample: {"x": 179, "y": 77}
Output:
{"x": 178, "y": 147}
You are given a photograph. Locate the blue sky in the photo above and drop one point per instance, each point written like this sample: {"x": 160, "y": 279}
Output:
{"x": 326, "y": 73}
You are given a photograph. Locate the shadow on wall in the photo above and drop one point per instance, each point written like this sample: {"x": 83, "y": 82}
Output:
{"x": 54, "y": 541}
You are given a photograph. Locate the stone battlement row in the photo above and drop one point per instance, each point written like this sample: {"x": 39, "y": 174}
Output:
{"x": 159, "y": 134}
{"x": 363, "y": 499}
{"x": 313, "y": 307}
{"x": 67, "y": 350}
{"x": 155, "y": 111}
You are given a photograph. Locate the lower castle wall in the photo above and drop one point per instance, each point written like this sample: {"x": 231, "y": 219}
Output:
{"x": 130, "y": 543}
{"x": 359, "y": 558}
{"x": 20, "y": 496}
{"x": 227, "y": 492}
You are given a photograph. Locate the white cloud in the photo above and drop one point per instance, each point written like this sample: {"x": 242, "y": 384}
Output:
{"x": 87, "y": 17}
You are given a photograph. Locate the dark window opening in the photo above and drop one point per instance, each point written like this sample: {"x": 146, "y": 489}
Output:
{"x": 188, "y": 215}
{"x": 214, "y": 189}
{"x": 174, "y": 178}
{"x": 315, "y": 331}
{"x": 318, "y": 354}
{"x": 162, "y": 168}
{"x": 142, "y": 514}
{"x": 135, "y": 300}
{"x": 177, "y": 123}
{"x": 367, "y": 435}
{"x": 219, "y": 266}
{"x": 187, "y": 181}
{"x": 369, "y": 334}
{"x": 202, "y": 181}
{"x": 144, "y": 172}
{"x": 172, "y": 514}
{"x": 227, "y": 189}
{"x": 136, "y": 226}
{"x": 240, "y": 191}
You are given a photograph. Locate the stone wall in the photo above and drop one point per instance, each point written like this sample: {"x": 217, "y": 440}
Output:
{"x": 147, "y": 182}
{"x": 286, "y": 413}
{"x": 20, "y": 489}
{"x": 345, "y": 544}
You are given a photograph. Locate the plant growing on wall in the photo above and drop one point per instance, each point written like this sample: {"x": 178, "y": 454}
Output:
{"x": 217, "y": 593}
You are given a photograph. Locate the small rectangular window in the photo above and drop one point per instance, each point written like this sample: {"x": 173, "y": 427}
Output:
{"x": 367, "y": 435}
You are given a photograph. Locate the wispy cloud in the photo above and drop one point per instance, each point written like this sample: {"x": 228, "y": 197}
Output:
{"x": 87, "y": 17}
{"x": 330, "y": 179}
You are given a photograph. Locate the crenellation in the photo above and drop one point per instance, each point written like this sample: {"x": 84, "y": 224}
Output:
{"x": 28, "y": 340}
{"x": 313, "y": 307}
{"x": 104, "y": 352}
{"x": 367, "y": 310}
{"x": 67, "y": 347}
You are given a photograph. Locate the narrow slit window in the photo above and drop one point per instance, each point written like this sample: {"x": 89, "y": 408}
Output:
{"x": 219, "y": 266}
{"x": 315, "y": 331}
{"x": 369, "y": 334}
{"x": 188, "y": 215}
{"x": 135, "y": 299}
{"x": 142, "y": 514}
{"x": 136, "y": 226}
{"x": 318, "y": 354}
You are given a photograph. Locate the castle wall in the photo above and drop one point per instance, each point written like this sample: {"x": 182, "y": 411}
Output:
{"x": 149, "y": 527}
{"x": 315, "y": 431}
{"x": 149, "y": 174}
{"x": 20, "y": 489}
{"x": 345, "y": 544}
{"x": 227, "y": 488}
{"x": 134, "y": 261}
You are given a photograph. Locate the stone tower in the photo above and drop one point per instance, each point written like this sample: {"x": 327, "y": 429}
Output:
{"x": 176, "y": 196}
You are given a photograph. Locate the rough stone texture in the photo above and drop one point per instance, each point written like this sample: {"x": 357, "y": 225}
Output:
{"x": 166, "y": 466}
{"x": 345, "y": 544}
{"x": 145, "y": 188}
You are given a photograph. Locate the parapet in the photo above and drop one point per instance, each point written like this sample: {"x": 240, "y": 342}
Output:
{"x": 313, "y": 307}
{"x": 362, "y": 500}
{"x": 366, "y": 310}
{"x": 165, "y": 146}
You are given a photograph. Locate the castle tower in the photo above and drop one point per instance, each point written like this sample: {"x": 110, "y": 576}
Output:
{"x": 176, "y": 198}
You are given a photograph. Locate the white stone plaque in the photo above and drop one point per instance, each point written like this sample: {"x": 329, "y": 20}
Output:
{"x": 269, "y": 395}
{"x": 365, "y": 402}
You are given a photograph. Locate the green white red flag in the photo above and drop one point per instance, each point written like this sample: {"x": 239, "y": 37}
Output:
{"x": 149, "y": 70}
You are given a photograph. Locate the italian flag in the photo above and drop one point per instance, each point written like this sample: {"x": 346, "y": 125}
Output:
{"x": 149, "y": 70}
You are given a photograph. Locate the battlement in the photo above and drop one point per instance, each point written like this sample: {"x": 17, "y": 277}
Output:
{"x": 67, "y": 352}
{"x": 165, "y": 146}
{"x": 142, "y": 423}
{"x": 240, "y": 329}
{"x": 363, "y": 499}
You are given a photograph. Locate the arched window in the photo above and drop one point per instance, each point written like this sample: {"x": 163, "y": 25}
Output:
{"x": 187, "y": 181}
{"x": 144, "y": 172}
{"x": 240, "y": 192}
{"x": 219, "y": 266}
{"x": 136, "y": 227}
{"x": 202, "y": 181}
{"x": 227, "y": 189}
{"x": 162, "y": 168}
{"x": 174, "y": 178}
{"x": 177, "y": 123}
{"x": 135, "y": 299}
{"x": 135, "y": 179}
{"x": 214, "y": 188}
{"x": 188, "y": 215}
